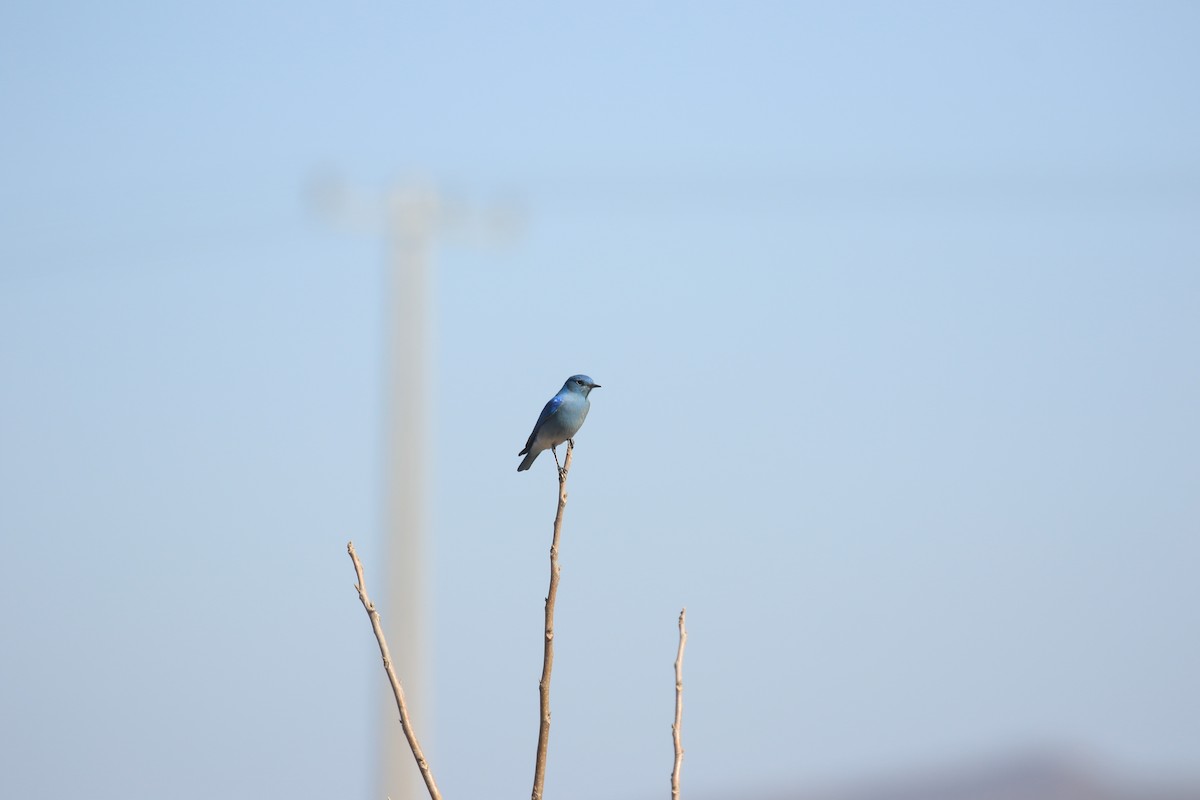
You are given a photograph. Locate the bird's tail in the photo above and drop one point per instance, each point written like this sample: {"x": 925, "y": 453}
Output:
{"x": 528, "y": 459}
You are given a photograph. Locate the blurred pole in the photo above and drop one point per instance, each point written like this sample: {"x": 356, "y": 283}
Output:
{"x": 410, "y": 222}
{"x": 413, "y": 214}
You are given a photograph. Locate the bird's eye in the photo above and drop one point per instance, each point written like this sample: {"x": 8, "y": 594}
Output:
{"x": 579, "y": 381}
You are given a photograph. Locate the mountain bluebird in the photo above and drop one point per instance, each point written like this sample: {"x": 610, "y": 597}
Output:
{"x": 560, "y": 419}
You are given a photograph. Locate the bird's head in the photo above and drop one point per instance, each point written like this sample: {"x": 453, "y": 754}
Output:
{"x": 580, "y": 384}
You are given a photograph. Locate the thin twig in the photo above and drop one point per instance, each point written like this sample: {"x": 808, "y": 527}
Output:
{"x": 676, "y": 728}
{"x": 539, "y": 770}
{"x": 397, "y": 690}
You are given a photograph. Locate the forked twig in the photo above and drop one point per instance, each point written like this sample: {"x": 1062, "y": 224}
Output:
{"x": 675, "y": 729}
{"x": 397, "y": 690}
{"x": 539, "y": 770}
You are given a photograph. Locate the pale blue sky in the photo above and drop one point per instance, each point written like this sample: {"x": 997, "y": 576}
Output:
{"x": 895, "y": 308}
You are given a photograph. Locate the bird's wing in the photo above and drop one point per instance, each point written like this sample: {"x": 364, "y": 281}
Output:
{"x": 547, "y": 412}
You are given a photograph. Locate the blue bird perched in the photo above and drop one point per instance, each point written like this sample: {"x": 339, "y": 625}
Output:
{"x": 560, "y": 419}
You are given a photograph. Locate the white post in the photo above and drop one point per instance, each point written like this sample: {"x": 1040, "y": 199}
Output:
{"x": 413, "y": 214}
{"x": 411, "y": 219}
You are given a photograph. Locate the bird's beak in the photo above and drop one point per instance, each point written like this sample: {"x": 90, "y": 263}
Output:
{"x": 595, "y": 386}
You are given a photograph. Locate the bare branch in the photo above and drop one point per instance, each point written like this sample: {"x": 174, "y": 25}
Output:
{"x": 539, "y": 771}
{"x": 676, "y": 728}
{"x": 397, "y": 690}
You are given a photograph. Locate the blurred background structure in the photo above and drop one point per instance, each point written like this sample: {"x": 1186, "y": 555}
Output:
{"x": 895, "y": 308}
{"x": 1042, "y": 777}
{"x": 410, "y": 215}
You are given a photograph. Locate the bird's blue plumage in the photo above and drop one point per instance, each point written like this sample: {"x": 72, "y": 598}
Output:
{"x": 551, "y": 406}
{"x": 560, "y": 420}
